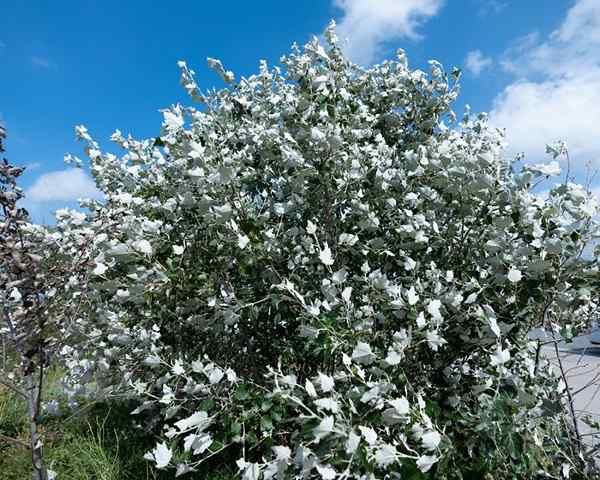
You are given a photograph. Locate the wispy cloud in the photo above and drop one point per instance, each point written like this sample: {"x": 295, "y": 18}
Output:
{"x": 33, "y": 166}
{"x": 556, "y": 89}
{"x": 490, "y": 7}
{"x": 476, "y": 62}
{"x": 369, "y": 24}
{"x": 41, "y": 62}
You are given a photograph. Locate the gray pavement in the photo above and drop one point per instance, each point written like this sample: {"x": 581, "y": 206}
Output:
{"x": 581, "y": 362}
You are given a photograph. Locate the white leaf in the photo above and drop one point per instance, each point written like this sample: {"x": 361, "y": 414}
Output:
{"x": 143, "y": 246}
{"x": 327, "y": 472}
{"x": 161, "y": 455}
{"x": 327, "y": 382}
{"x": 514, "y": 275}
{"x": 173, "y": 121}
{"x": 471, "y": 298}
{"x": 347, "y": 294}
{"x": 368, "y": 434}
{"x": 425, "y": 462}
{"x": 325, "y": 255}
{"x": 215, "y": 375}
{"x": 198, "y": 443}
{"x": 324, "y": 428}
{"x": 178, "y": 249}
{"x": 433, "y": 308}
{"x": 434, "y": 340}
{"x": 196, "y": 419}
{"x": 500, "y": 356}
{"x": 386, "y": 455}
{"x": 340, "y": 276}
{"x": 100, "y": 269}
{"x": 310, "y": 389}
{"x": 328, "y": 404}
{"x": 431, "y": 440}
{"x": 409, "y": 264}
{"x": 347, "y": 239}
{"x": 412, "y": 296}
{"x": 363, "y": 354}
{"x": 352, "y": 442}
{"x": 282, "y": 453}
{"x": 182, "y": 469}
{"x": 311, "y": 228}
{"x": 178, "y": 368}
{"x": 399, "y": 411}
{"x": 243, "y": 241}
{"x": 493, "y": 324}
{"x": 15, "y": 295}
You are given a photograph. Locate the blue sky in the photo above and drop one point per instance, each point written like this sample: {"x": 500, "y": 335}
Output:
{"x": 534, "y": 65}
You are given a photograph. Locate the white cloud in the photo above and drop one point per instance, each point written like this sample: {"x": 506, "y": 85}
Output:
{"x": 369, "y": 24}
{"x": 557, "y": 90}
{"x": 62, "y": 185}
{"x": 41, "y": 62}
{"x": 476, "y": 62}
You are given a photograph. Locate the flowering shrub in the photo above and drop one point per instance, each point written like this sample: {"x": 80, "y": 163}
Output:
{"x": 319, "y": 273}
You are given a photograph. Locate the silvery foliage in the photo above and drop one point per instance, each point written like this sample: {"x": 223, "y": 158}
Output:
{"x": 320, "y": 270}
{"x": 35, "y": 321}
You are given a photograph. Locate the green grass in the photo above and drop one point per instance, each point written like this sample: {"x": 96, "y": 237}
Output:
{"x": 97, "y": 443}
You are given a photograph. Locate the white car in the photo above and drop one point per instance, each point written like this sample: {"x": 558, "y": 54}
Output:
{"x": 595, "y": 336}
